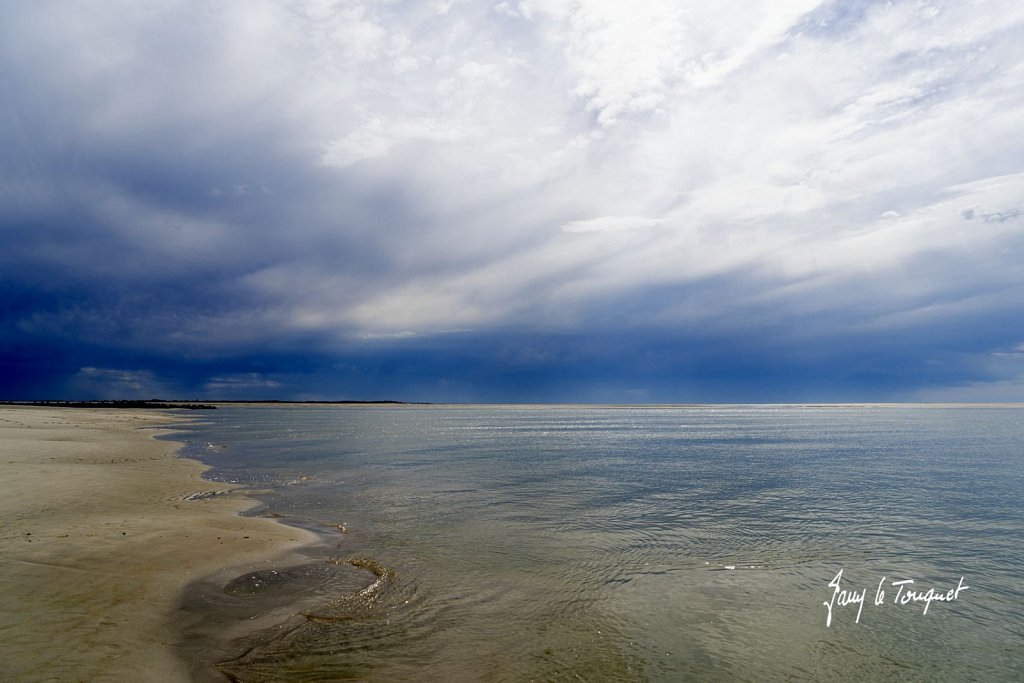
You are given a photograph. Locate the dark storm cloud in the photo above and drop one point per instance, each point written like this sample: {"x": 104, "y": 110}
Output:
{"x": 460, "y": 201}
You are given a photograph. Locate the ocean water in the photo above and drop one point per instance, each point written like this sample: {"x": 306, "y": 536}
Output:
{"x": 543, "y": 543}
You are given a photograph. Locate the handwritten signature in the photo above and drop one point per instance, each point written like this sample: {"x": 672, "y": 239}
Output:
{"x": 842, "y": 597}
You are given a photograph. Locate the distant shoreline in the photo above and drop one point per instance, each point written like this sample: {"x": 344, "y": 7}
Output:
{"x": 156, "y": 404}
{"x": 212, "y": 404}
{"x": 172, "y": 404}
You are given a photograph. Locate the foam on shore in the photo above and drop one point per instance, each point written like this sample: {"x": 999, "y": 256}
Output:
{"x": 101, "y": 529}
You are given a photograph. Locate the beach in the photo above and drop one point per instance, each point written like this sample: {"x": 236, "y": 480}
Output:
{"x": 511, "y": 543}
{"x": 101, "y": 529}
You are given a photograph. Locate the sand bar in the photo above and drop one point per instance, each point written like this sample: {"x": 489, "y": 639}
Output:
{"x": 99, "y": 535}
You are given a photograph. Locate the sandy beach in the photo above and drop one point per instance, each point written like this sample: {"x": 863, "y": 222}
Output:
{"x": 101, "y": 529}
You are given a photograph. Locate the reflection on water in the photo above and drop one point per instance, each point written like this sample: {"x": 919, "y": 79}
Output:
{"x": 633, "y": 544}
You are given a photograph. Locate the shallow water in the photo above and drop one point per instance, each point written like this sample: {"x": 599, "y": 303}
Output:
{"x": 636, "y": 544}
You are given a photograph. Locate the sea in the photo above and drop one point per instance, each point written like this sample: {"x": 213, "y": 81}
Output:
{"x": 604, "y": 543}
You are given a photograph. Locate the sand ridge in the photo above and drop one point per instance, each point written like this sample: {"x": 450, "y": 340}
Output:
{"x": 101, "y": 529}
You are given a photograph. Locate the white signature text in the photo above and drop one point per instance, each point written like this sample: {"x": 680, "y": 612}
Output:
{"x": 905, "y": 593}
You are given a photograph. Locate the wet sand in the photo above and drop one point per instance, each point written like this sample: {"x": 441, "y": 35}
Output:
{"x": 101, "y": 530}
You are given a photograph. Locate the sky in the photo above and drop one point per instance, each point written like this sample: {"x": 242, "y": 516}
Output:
{"x": 512, "y": 201}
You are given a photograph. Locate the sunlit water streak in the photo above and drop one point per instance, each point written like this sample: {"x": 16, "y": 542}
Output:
{"x": 631, "y": 544}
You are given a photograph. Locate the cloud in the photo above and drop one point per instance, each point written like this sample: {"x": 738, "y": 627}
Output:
{"x": 218, "y": 183}
{"x": 610, "y": 224}
{"x": 108, "y": 383}
{"x": 999, "y": 378}
{"x": 246, "y": 384}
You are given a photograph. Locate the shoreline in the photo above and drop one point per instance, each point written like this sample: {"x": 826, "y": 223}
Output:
{"x": 102, "y": 529}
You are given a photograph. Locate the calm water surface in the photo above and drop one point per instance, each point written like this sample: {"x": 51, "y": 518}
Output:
{"x": 642, "y": 544}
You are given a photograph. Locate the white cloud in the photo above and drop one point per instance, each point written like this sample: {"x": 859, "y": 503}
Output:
{"x": 610, "y": 224}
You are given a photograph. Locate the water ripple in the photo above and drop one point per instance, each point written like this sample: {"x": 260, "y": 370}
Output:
{"x": 648, "y": 544}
